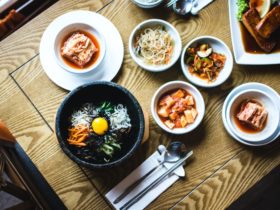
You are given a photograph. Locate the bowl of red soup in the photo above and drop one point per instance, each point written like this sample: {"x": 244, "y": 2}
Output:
{"x": 79, "y": 48}
{"x": 178, "y": 107}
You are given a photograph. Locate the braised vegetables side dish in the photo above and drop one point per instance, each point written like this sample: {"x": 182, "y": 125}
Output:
{"x": 204, "y": 62}
{"x": 98, "y": 132}
{"x": 177, "y": 109}
{"x": 251, "y": 116}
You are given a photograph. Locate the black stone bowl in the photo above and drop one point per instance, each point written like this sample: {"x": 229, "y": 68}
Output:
{"x": 97, "y": 92}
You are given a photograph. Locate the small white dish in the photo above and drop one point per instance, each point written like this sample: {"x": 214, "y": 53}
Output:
{"x": 66, "y": 31}
{"x": 240, "y": 55}
{"x": 177, "y": 44}
{"x": 218, "y": 46}
{"x": 273, "y": 94}
{"x": 270, "y": 107}
{"x": 199, "y": 101}
{"x": 147, "y": 5}
{"x": 107, "y": 69}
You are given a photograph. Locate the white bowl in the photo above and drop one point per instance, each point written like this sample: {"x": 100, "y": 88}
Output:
{"x": 176, "y": 41}
{"x": 65, "y": 31}
{"x": 147, "y": 5}
{"x": 200, "y": 106}
{"x": 272, "y": 120}
{"x": 218, "y": 46}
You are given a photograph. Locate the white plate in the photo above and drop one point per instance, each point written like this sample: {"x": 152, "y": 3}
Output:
{"x": 108, "y": 68}
{"x": 240, "y": 55}
{"x": 253, "y": 85}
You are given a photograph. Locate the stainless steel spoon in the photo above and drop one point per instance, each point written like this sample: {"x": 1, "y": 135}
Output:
{"x": 137, "y": 197}
{"x": 171, "y": 155}
{"x": 184, "y": 7}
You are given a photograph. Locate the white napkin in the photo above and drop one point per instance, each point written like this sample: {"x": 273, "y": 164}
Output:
{"x": 143, "y": 169}
{"x": 200, "y": 4}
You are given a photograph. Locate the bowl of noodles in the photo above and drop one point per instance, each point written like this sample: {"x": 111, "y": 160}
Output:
{"x": 99, "y": 125}
{"x": 155, "y": 45}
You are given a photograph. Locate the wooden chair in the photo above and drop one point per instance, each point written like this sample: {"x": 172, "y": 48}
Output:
{"x": 22, "y": 179}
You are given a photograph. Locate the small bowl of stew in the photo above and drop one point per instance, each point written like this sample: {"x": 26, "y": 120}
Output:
{"x": 79, "y": 48}
{"x": 253, "y": 115}
{"x": 178, "y": 107}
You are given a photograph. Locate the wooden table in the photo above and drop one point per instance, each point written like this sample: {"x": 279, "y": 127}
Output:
{"x": 221, "y": 170}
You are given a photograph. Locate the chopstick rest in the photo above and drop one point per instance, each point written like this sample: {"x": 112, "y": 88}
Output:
{"x": 140, "y": 171}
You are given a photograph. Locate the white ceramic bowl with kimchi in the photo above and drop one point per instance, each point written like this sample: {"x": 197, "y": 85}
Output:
{"x": 79, "y": 48}
{"x": 178, "y": 107}
{"x": 253, "y": 115}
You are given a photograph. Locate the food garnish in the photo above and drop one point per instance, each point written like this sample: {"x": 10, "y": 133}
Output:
{"x": 154, "y": 45}
{"x": 176, "y": 109}
{"x": 98, "y": 132}
{"x": 242, "y": 7}
{"x": 204, "y": 62}
{"x": 262, "y": 6}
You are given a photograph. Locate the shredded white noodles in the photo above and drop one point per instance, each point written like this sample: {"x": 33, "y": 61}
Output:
{"x": 84, "y": 116}
{"x": 154, "y": 45}
{"x": 119, "y": 118}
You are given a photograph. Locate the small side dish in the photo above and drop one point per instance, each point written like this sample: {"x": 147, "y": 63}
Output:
{"x": 177, "y": 109}
{"x": 154, "y": 45}
{"x": 204, "y": 62}
{"x": 251, "y": 116}
{"x": 97, "y": 132}
{"x": 80, "y": 49}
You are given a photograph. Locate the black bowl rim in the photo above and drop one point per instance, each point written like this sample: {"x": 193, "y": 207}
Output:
{"x": 140, "y": 135}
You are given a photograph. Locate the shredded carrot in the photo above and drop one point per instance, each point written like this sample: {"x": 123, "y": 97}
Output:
{"x": 77, "y": 135}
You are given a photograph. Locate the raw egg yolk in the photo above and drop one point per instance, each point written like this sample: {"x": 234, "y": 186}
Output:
{"x": 100, "y": 125}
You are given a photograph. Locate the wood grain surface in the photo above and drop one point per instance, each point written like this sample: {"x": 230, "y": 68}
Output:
{"x": 39, "y": 142}
{"x": 23, "y": 45}
{"x": 216, "y": 175}
{"x": 233, "y": 179}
